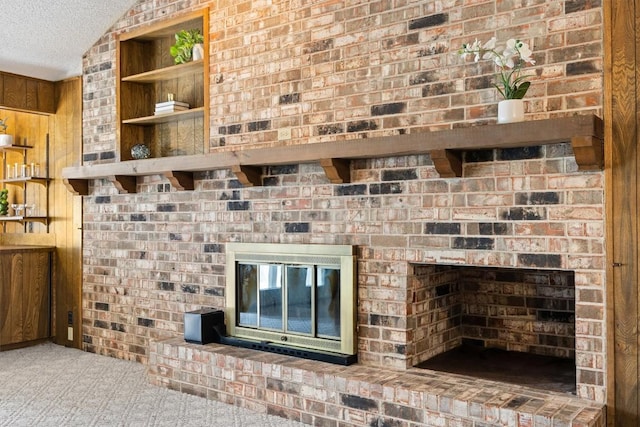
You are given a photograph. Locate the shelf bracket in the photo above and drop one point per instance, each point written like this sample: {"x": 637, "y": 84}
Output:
{"x": 79, "y": 187}
{"x": 124, "y": 183}
{"x": 180, "y": 180}
{"x": 588, "y": 152}
{"x": 448, "y": 163}
{"x": 338, "y": 171}
{"x": 248, "y": 176}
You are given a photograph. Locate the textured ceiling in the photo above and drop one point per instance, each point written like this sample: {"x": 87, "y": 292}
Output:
{"x": 47, "y": 38}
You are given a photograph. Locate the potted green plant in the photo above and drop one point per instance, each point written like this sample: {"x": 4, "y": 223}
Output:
{"x": 4, "y": 201}
{"x": 186, "y": 40}
{"x": 4, "y": 138}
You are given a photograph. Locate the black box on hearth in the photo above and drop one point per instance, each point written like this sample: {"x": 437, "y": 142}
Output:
{"x": 203, "y": 326}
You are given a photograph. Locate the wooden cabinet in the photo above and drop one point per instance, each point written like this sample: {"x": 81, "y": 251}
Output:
{"x": 25, "y": 294}
{"x": 32, "y": 200}
{"x": 147, "y": 75}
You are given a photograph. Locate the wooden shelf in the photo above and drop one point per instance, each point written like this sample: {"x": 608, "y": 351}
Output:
{"x": 173, "y": 72}
{"x": 16, "y": 148}
{"x": 15, "y": 218}
{"x": 20, "y": 181}
{"x": 584, "y": 132}
{"x": 166, "y": 117}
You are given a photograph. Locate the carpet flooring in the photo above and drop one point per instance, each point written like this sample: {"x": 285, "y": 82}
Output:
{"x": 50, "y": 385}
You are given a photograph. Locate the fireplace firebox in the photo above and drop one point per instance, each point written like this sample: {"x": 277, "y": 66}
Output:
{"x": 294, "y": 299}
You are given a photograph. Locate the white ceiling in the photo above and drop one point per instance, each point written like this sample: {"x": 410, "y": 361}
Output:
{"x": 47, "y": 38}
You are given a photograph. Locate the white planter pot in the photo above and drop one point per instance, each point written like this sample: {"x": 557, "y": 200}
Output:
{"x": 6, "y": 140}
{"x": 198, "y": 52}
{"x": 510, "y": 111}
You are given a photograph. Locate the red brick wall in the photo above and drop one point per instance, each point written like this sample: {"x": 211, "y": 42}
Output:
{"x": 332, "y": 72}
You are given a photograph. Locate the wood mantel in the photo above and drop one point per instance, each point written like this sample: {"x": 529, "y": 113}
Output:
{"x": 585, "y": 132}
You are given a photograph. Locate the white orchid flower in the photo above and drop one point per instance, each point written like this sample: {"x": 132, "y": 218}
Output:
{"x": 509, "y": 60}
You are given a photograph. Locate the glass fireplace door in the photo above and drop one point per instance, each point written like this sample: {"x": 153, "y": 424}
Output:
{"x": 299, "y": 299}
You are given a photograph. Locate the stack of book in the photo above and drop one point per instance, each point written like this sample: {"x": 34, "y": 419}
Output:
{"x": 170, "y": 107}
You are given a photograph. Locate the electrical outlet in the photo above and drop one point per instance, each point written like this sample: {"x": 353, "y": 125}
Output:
{"x": 69, "y": 333}
{"x": 284, "y": 134}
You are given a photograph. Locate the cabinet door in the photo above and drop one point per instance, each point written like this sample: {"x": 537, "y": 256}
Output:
{"x": 24, "y": 296}
{"x": 35, "y": 295}
{"x": 11, "y": 323}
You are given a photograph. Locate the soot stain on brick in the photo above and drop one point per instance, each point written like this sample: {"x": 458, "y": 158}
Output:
{"x": 290, "y": 98}
{"x": 107, "y": 155}
{"x": 103, "y": 199}
{"x": 330, "y": 129}
{"x": 572, "y": 6}
{"x": 387, "y": 109}
{"x": 480, "y": 243}
{"x": 582, "y": 67}
{"x": 386, "y": 188}
{"x": 538, "y": 198}
{"x": 540, "y": 260}
{"x": 495, "y": 228}
{"x": 283, "y": 169}
{"x": 90, "y": 157}
{"x": 520, "y": 153}
{"x": 102, "y": 306}
{"x": 362, "y": 125}
{"x": 190, "y": 289}
{"x": 147, "y": 323}
{"x": 212, "y": 248}
{"x": 442, "y": 228}
{"x": 238, "y": 206}
{"x": 438, "y": 89}
{"x": 524, "y": 214}
{"x": 166, "y": 286}
{"x": 216, "y": 292}
{"x": 399, "y": 175}
{"x": 259, "y": 125}
{"x": 429, "y": 21}
{"x": 357, "y": 402}
{"x": 351, "y": 190}
{"x": 423, "y": 77}
{"x": 166, "y": 207}
{"x": 296, "y": 227}
{"x": 477, "y": 156}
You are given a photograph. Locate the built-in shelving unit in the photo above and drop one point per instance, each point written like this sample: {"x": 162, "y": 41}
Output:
{"x": 584, "y": 132}
{"x": 147, "y": 75}
{"x": 23, "y": 181}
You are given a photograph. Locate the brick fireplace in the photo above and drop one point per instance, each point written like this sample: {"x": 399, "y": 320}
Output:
{"x": 152, "y": 255}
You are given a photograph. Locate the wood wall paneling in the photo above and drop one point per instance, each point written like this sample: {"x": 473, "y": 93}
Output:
{"x": 66, "y": 213}
{"x": 622, "y": 159}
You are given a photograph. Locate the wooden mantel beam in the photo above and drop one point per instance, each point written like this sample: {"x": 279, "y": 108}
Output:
{"x": 585, "y": 132}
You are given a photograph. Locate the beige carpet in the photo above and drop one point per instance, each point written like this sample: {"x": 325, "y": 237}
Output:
{"x": 50, "y": 385}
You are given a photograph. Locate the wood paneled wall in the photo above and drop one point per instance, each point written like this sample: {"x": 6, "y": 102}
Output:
{"x": 65, "y": 210}
{"x": 66, "y": 213}
{"x": 622, "y": 159}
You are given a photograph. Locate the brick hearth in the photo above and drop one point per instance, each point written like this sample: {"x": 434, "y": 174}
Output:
{"x": 323, "y": 394}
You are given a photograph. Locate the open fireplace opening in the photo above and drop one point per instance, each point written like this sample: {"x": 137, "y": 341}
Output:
{"x": 293, "y": 299}
{"x": 510, "y": 325}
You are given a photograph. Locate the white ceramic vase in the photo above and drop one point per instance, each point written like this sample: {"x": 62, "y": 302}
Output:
{"x": 6, "y": 140}
{"x": 198, "y": 52}
{"x": 510, "y": 111}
